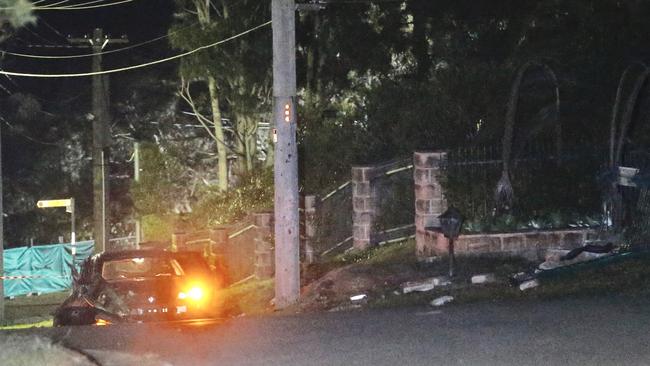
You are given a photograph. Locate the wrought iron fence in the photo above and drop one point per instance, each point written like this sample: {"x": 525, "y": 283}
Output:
{"x": 550, "y": 191}
{"x": 395, "y": 200}
{"x": 333, "y": 219}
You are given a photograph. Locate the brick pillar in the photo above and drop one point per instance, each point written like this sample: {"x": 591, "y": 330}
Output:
{"x": 218, "y": 243}
{"x": 264, "y": 257}
{"x": 364, "y": 207}
{"x": 430, "y": 202}
{"x": 178, "y": 241}
{"x": 310, "y": 227}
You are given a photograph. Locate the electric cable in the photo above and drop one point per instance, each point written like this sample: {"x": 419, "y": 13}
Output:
{"x": 82, "y": 6}
{"x": 55, "y": 4}
{"x": 63, "y": 57}
{"x": 139, "y": 66}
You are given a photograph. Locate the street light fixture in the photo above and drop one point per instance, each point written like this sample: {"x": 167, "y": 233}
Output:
{"x": 450, "y": 223}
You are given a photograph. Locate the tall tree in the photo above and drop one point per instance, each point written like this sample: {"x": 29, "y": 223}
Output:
{"x": 237, "y": 74}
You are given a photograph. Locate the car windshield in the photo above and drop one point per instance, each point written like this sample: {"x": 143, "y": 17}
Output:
{"x": 139, "y": 268}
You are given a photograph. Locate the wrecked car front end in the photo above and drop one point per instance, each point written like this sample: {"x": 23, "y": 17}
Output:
{"x": 139, "y": 286}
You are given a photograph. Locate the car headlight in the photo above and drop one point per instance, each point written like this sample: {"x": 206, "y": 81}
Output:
{"x": 195, "y": 293}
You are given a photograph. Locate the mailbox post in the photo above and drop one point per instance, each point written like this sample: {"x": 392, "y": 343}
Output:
{"x": 450, "y": 223}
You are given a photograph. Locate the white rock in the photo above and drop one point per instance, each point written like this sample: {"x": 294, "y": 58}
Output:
{"x": 358, "y": 297}
{"x": 528, "y": 285}
{"x": 425, "y": 285}
{"x": 484, "y": 278}
{"x": 442, "y": 300}
{"x": 419, "y": 287}
{"x": 441, "y": 281}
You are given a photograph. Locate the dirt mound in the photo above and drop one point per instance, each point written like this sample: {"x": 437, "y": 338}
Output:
{"x": 335, "y": 288}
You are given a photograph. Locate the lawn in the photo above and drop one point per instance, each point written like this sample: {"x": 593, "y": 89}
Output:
{"x": 23, "y": 310}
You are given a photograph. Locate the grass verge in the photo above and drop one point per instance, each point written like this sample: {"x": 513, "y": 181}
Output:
{"x": 41, "y": 324}
{"x": 250, "y": 298}
{"x": 29, "y": 311}
{"x": 629, "y": 277}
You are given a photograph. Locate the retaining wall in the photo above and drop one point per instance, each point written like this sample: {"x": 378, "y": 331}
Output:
{"x": 530, "y": 244}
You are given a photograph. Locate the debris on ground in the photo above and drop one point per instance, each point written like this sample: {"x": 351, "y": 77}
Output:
{"x": 358, "y": 297}
{"x": 528, "y": 285}
{"x": 484, "y": 278}
{"x": 560, "y": 257}
{"x": 337, "y": 286}
{"x": 556, "y": 259}
{"x": 425, "y": 285}
{"x": 442, "y": 300}
{"x": 428, "y": 260}
{"x": 344, "y": 308}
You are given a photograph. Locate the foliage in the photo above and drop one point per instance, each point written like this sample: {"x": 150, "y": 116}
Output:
{"x": 254, "y": 192}
{"x": 238, "y": 75}
{"x": 14, "y": 14}
{"x": 157, "y": 227}
{"x": 159, "y": 188}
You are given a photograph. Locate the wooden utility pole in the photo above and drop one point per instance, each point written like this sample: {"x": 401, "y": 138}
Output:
{"x": 136, "y": 177}
{"x": 101, "y": 135}
{"x": 287, "y": 227}
{"x": 2, "y": 291}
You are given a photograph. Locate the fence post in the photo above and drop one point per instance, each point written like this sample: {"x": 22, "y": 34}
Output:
{"x": 430, "y": 202}
{"x": 364, "y": 206}
{"x": 310, "y": 227}
{"x": 264, "y": 264}
{"x": 178, "y": 241}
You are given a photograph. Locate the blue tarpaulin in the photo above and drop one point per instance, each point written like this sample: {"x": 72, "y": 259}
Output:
{"x": 42, "y": 268}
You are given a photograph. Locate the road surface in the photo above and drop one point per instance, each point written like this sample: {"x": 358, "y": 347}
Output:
{"x": 603, "y": 331}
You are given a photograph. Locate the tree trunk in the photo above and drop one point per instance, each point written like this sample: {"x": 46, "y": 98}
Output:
{"x": 504, "y": 195}
{"x": 615, "y": 108}
{"x": 222, "y": 164}
{"x": 270, "y": 153}
{"x": 420, "y": 44}
{"x": 628, "y": 113}
{"x": 248, "y": 140}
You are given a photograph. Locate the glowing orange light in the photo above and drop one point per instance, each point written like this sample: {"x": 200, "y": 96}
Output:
{"x": 195, "y": 293}
{"x": 102, "y": 322}
{"x": 287, "y": 112}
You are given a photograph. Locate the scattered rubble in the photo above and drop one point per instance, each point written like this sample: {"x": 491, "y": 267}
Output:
{"x": 484, "y": 278}
{"x": 528, "y": 285}
{"x": 425, "y": 285}
{"x": 560, "y": 257}
{"x": 429, "y": 260}
{"x": 442, "y": 300}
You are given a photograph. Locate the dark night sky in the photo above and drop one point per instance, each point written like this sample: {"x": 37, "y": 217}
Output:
{"x": 140, "y": 20}
{"x": 67, "y": 100}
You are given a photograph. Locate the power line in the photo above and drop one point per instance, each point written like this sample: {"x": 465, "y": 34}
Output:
{"x": 82, "y": 6}
{"x": 27, "y": 55}
{"x": 55, "y": 4}
{"x": 139, "y": 66}
{"x": 41, "y": 20}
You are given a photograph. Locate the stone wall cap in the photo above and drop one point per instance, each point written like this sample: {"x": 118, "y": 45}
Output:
{"x": 528, "y": 232}
{"x": 429, "y": 151}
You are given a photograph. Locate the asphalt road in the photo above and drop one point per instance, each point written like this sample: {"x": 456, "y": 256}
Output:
{"x": 604, "y": 331}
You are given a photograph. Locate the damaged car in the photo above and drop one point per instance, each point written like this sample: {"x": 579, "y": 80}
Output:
{"x": 141, "y": 285}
